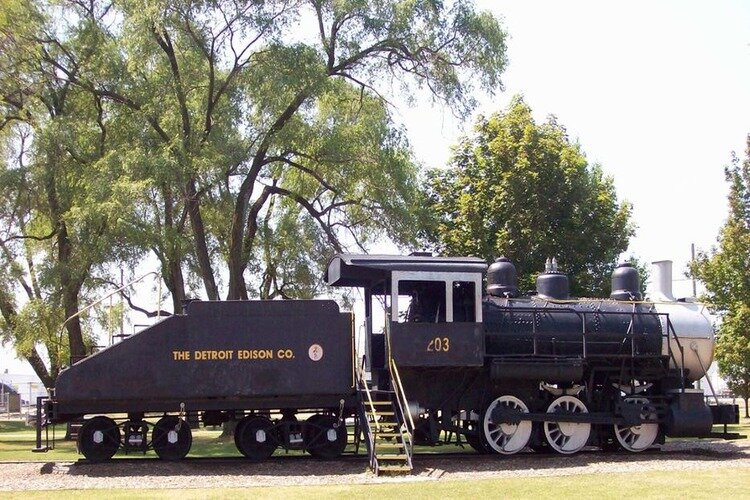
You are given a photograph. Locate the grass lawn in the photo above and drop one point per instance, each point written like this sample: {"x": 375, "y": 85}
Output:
{"x": 723, "y": 483}
{"x": 17, "y": 440}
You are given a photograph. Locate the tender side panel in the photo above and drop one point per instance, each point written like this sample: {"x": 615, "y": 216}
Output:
{"x": 222, "y": 351}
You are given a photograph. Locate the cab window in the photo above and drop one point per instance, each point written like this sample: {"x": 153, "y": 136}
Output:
{"x": 421, "y": 301}
{"x": 464, "y": 301}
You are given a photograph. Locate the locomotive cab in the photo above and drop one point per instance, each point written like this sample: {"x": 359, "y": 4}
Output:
{"x": 428, "y": 310}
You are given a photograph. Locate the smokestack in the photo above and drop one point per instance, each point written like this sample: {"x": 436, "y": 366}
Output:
{"x": 661, "y": 284}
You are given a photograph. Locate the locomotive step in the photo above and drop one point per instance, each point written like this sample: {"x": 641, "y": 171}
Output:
{"x": 387, "y": 434}
{"x": 394, "y": 468}
{"x": 381, "y": 445}
{"x": 394, "y": 456}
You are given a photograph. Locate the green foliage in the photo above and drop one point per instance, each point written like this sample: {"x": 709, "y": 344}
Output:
{"x": 524, "y": 190}
{"x": 725, "y": 271}
{"x": 219, "y": 137}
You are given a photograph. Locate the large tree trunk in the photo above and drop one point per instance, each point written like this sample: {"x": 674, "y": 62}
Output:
{"x": 237, "y": 288}
{"x": 171, "y": 259}
{"x": 68, "y": 285}
{"x": 201, "y": 247}
{"x": 36, "y": 362}
{"x": 747, "y": 414}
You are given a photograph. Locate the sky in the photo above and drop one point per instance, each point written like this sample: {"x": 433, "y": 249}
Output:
{"x": 657, "y": 92}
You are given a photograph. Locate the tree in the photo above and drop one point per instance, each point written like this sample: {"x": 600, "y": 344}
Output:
{"x": 63, "y": 205}
{"x": 222, "y": 139}
{"x": 524, "y": 190}
{"x": 725, "y": 271}
{"x": 244, "y": 112}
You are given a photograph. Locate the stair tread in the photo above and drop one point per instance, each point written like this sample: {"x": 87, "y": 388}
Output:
{"x": 394, "y": 468}
{"x": 394, "y": 456}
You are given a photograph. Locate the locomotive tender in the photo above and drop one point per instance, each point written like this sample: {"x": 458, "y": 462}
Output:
{"x": 500, "y": 370}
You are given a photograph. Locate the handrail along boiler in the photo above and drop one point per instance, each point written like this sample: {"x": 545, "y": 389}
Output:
{"x": 500, "y": 371}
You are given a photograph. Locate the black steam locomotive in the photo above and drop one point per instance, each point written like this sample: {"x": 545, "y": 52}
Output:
{"x": 436, "y": 360}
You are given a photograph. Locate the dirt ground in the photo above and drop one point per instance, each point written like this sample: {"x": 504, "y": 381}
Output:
{"x": 285, "y": 471}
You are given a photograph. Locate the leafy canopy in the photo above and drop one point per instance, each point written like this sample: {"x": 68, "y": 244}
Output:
{"x": 725, "y": 271}
{"x": 524, "y": 190}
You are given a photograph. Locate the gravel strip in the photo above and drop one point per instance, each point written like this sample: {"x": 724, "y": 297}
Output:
{"x": 680, "y": 455}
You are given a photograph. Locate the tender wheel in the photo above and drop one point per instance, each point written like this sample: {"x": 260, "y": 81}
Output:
{"x": 503, "y": 437}
{"x": 567, "y": 437}
{"x": 324, "y": 439}
{"x": 171, "y": 438}
{"x": 99, "y": 439}
{"x": 638, "y": 437}
{"x": 255, "y": 438}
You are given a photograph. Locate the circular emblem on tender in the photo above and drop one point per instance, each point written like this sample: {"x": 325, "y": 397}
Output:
{"x": 315, "y": 352}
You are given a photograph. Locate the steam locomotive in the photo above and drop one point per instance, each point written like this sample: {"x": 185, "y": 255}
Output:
{"x": 435, "y": 360}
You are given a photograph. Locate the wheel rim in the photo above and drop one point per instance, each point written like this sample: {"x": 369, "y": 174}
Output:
{"x": 99, "y": 439}
{"x": 638, "y": 437}
{"x": 503, "y": 437}
{"x": 319, "y": 433}
{"x": 254, "y": 437}
{"x": 567, "y": 437}
{"x": 171, "y": 438}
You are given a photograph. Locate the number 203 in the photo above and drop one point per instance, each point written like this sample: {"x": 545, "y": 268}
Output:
{"x": 439, "y": 344}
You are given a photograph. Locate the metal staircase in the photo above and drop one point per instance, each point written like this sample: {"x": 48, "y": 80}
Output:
{"x": 386, "y": 427}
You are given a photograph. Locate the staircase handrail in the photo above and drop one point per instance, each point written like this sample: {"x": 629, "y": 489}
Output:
{"x": 401, "y": 396}
{"x": 400, "y": 393}
{"x": 361, "y": 382}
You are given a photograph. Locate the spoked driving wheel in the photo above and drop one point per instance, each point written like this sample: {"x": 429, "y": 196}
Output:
{"x": 567, "y": 437}
{"x": 638, "y": 437}
{"x": 171, "y": 438}
{"x": 324, "y": 438}
{"x": 502, "y": 436}
{"x": 255, "y": 438}
{"x": 99, "y": 439}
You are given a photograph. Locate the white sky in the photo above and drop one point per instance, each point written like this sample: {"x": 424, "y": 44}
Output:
{"x": 657, "y": 92}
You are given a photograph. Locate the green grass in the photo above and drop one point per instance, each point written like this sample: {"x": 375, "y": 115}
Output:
{"x": 17, "y": 440}
{"x": 719, "y": 483}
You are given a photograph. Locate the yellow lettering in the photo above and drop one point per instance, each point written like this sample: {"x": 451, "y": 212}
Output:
{"x": 245, "y": 354}
{"x": 181, "y": 355}
{"x": 285, "y": 354}
{"x": 439, "y": 344}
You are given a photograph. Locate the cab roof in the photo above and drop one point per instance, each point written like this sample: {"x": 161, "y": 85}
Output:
{"x": 363, "y": 270}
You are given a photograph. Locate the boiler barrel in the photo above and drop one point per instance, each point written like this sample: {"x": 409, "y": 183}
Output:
{"x": 525, "y": 327}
